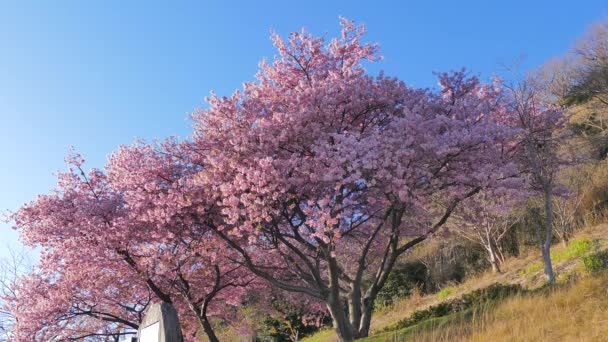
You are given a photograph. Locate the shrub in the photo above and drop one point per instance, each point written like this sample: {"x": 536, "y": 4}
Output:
{"x": 401, "y": 282}
{"x": 439, "y": 310}
{"x": 575, "y": 249}
{"x": 445, "y": 293}
{"x": 596, "y": 262}
{"x": 490, "y": 294}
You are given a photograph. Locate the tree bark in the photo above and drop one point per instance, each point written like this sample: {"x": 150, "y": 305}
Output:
{"x": 335, "y": 306}
{"x": 492, "y": 253}
{"x": 354, "y": 309}
{"x": 546, "y": 244}
{"x": 208, "y": 329}
{"x": 340, "y": 320}
{"x": 200, "y": 311}
{"x": 366, "y": 317}
{"x": 494, "y": 261}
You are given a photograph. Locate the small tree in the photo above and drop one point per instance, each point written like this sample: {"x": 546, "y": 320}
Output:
{"x": 541, "y": 131}
{"x": 486, "y": 220}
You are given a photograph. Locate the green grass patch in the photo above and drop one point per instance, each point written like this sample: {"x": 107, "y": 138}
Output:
{"x": 576, "y": 249}
{"x": 445, "y": 293}
{"x": 535, "y": 267}
{"x": 323, "y": 335}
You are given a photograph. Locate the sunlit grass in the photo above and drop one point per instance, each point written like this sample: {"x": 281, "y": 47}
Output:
{"x": 573, "y": 311}
{"x": 576, "y": 249}
{"x": 445, "y": 293}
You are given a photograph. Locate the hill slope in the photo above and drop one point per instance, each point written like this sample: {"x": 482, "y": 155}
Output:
{"x": 574, "y": 310}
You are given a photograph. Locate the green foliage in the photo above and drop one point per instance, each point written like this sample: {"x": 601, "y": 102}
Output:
{"x": 401, "y": 282}
{"x": 284, "y": 329}
{"x": 535, "y": 267}
{"x": 445, "y": 293}
{"x": 596, "y": 262}
{"x": 491, "y": 293}
{"x": 286, "y": 323}
{"x": 576, "y": 249}
{"x": 475, "y": 299}
{"x": 438, "y": 310}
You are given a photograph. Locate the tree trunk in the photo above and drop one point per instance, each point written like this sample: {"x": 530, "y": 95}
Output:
{"x": 208, "y": 329}
{"x": 546, "y": 244}
{"x": 494, "y": 261}
{"x": 201, "y": 314}
{"x": 548, "y": 266}
{"x": 354, "y": 309}
{"x": 366, "y": 317}
{"x": 335, "y": 305}
{"x": 492, "y": 254}
{"x": 501, "y": 255}
{"x": 340, "y": 319}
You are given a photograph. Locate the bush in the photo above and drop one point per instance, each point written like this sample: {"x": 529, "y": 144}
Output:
{"x": 575, "y": 249}
{"x": 490, "y": 294}
{"x": 400, "y": 283}
{"x": 434, "y": 311}
{"x": 445, "y": 293}
{"x": 596, "y": 262}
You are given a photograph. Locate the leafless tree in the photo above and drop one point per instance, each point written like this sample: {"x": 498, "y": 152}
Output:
{"x": 18, "y": 262}
{"x": 487, "y": 224}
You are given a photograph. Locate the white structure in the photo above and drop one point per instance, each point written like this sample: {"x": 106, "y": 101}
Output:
{"x": 160, "y": 324}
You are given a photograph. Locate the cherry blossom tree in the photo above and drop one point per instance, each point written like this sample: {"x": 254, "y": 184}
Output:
{"x": 12, "y": 267}
{"x": 325, "y": 175}
{"x": 59, "y": 308}
{"x": 129, "y": 224}
{"x": 315, "y": 179}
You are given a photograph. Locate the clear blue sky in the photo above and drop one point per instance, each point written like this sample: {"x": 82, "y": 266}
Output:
{"x": 97, "y": 76}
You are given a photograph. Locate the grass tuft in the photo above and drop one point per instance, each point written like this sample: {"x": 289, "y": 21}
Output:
{"x": 445, "y": 293}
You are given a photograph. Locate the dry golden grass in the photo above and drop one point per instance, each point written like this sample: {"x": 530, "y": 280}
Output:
{"x": 511, "y": 274}
{"x": 574, "y": 312}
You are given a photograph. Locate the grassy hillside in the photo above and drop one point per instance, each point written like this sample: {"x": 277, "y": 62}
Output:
{"x": 573, "y": 310}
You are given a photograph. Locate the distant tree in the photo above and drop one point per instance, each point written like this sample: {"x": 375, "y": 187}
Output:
{"x": 60, "y": 307}
{"x": 486, "y": 220}
{"x": 542, "y": 131}
{"x": 578, "y": 82}
{"x": 592, "y": 66}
